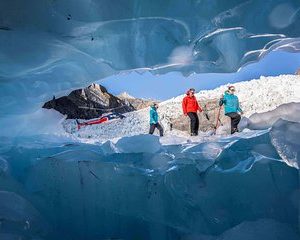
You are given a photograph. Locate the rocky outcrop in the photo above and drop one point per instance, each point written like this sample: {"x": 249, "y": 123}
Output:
{"x": 137, "y": 103}
{"x": 211, "y": 108}
{"x": 88, "y": 103}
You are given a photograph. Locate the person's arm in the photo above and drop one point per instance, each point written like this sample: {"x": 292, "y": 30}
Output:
{"x": 184, "y": 106}
{"x": 222, "y": 100}
{"x": 199, "y": 106}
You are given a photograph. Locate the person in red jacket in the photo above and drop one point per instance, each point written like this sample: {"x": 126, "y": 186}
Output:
{"x": 190, "y": 107}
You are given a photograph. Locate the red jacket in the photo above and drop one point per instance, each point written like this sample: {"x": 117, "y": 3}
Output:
{"x": 190, "y": 104}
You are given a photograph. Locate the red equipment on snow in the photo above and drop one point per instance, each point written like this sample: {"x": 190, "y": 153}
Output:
{"x": 103, "y": 119}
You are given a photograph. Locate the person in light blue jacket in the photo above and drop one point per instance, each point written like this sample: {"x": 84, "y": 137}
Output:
{"x": 154, "y": 120}
{"x": 232, "y": 108}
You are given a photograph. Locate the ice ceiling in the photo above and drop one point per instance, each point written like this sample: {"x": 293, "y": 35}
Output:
{"x": 50, "y": 46}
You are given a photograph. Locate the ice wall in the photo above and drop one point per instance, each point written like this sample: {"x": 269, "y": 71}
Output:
{"x": 79, "y": 191}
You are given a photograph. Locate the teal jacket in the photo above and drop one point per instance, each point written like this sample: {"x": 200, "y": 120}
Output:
{"x": 231, "y": 103}
{"x": 153, "y": 115}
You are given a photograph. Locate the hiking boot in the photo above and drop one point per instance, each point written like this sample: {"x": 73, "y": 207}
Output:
{"x": 234, "y": 130}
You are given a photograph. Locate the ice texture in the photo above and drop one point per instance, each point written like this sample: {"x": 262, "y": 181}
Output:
{"x": 51, "y": 47}
{"x": 18, "y": 216}
{"x": 139, "y": 144}
{"x": 211, "y": 189}
{"x": 287, "y": 111}
{"x": 285, "y": 138}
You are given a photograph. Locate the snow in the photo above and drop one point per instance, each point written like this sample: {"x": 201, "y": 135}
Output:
{"x": 41, "y": 121}
{"x": 256, "y": 96}
{"x": 125, "y": 95}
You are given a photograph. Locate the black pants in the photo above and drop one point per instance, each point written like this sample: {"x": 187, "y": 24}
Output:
{"x": 235, "y": 119}
{"x": 194, "y": 122}
{"x": 158, "y": 126}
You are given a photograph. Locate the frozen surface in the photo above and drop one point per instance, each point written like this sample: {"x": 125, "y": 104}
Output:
{"x": 139, "y": 144}
{"x": 180, "y": 190}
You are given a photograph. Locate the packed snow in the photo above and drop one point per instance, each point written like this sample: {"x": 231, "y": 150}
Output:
{"x": 256, "y": 97}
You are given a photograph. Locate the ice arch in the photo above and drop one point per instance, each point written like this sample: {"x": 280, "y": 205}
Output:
{"x": 51, "y": 46}
{"x": 48, "y": 46}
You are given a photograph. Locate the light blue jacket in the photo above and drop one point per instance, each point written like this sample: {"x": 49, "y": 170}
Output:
{"x": 231, "y": 103}
{"x": 153, "y": 115}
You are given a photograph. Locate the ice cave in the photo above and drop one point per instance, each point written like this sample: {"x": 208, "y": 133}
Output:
{"x": 55, "y": 187}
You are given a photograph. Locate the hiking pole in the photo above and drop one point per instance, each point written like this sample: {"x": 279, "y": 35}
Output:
{"x": 205, "y": 112}
{"x": 207, "y": 117}
{"x": 218, "y": 118}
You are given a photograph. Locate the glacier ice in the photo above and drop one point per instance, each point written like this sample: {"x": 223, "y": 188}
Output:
{"x": 18, "y": 216}
{"x": 288, "y": 111}
{"x": 262, "y": 229}
{"x": 51, "y": 47}
{"x": 285, "y": 138}
{"x": 88, "y": 191}
{"x": 53, "y": 187}
{"x": 139, "y": 144}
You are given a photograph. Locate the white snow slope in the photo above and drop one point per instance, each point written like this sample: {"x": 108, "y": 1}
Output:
{"x": 256, "y": 96}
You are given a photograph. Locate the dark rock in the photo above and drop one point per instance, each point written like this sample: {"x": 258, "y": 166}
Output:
{"x": 88, "y": 103}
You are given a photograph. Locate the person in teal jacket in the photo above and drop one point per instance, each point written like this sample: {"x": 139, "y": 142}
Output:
{"x": 232, "y": 108}
{"x": 154, "y": 120}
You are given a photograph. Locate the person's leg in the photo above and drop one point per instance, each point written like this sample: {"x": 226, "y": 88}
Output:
{"x": 236, "y": 119}
{"x": 196, "y": 124}
{"x": 160, "y": 129}
{"x": 231, "y": 122}
{"x": 152, "y": 128}
{"x": 193, "y": 122}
